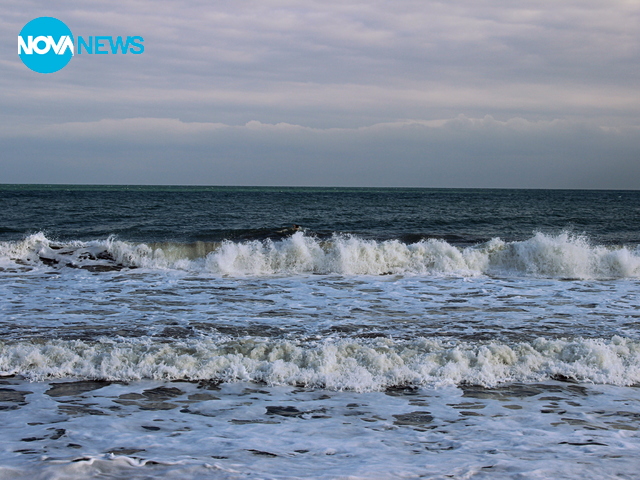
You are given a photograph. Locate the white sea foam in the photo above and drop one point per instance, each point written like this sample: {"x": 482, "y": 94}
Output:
{"x": 344, "y": 364}
{"x": 559, "y": 256}
{"x": 238, "y": 431}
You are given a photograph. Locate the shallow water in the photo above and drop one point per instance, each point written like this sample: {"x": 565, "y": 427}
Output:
{"x": 150, "y": 429}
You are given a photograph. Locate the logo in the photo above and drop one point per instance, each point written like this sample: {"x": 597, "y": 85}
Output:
{"x": 46, "y": 45}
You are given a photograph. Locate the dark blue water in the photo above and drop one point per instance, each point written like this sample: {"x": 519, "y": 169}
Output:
{"x": 187, "y": 214}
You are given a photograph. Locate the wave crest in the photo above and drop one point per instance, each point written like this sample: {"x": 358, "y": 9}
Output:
{"x": 552, "y": 256}
{"x": 344, "y": 364}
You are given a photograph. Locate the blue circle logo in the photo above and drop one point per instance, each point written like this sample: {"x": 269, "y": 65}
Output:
{"x": 45, "y": 45}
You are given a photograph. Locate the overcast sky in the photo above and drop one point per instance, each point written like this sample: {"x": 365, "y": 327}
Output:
{"x": 469, "y": 93}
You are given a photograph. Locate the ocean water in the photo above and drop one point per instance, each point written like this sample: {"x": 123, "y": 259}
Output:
{"x": 192, "y": 332}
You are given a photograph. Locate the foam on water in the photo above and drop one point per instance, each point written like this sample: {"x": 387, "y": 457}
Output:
{"x": 559, "y": 256}
{"x": 344, "y": 364}
{"x": 202, "y": 430}
{"x": 170, "y": 352}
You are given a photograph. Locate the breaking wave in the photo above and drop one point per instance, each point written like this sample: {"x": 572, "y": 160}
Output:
{"x": 553, "y": 256}
{"x": 363, "y": 365}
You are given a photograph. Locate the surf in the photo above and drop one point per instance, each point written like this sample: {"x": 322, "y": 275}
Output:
{"x": 563, "y": 255}
{"x": 343, "y": 364}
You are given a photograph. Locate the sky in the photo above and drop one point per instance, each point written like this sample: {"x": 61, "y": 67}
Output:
{"x": 462, "y": 93}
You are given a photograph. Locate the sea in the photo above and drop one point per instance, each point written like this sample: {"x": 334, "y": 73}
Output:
{"x": 174, "y": 332}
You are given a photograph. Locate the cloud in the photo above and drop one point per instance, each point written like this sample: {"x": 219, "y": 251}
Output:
{"x": 306, "y": 92}
{"x": 458, "y": 152}
{"x": 313, "y": 63}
